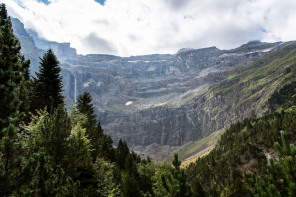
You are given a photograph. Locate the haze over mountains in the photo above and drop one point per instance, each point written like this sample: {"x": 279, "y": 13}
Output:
{"x": 160, "y": 101}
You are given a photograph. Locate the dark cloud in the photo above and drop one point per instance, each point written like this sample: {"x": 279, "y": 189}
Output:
{"x": 99, "y": 45}
{"x": 133, "y": 37}
{"x": 178, "y": 4}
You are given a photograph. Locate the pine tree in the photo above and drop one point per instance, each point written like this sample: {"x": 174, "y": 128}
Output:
{"x": 122, "y": 152}
{"x": 85, "y": 106}
{"x": 175, "y": 183}
{"x": 10, "y": 79}
{"x": 93, "y": 127}
{"x": 51, "y": 132}
{"x": 25, "y": 91}
{"x": 10, "y": 71}
{"x": 3, "y": 14}
{"x": 130, "y": 186}
{"x": 46, "y": 140}
{"x": 55, "y": 134}
{"x": 80, "y": 149}
{"x": 280, "y": 177}
{"x": 47, "y": 86}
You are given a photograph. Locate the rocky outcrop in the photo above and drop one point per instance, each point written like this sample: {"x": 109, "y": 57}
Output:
{"x": 34, "y": 47}
{"x": 29, "y": 49}
{"x": 63, "y": 51}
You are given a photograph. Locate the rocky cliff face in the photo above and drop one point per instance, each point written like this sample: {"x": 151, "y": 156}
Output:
{"x": 63, "y": 51}
{"x": 29, "y": 49}
{"x": 166, "y": 99}
{"x": 34, "y": 47}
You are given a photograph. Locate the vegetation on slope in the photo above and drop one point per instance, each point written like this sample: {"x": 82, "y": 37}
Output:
{"x": 243, "y": 150}
{"x": 245, "y": 93}
{"x": 192, "y": 151}
{"x": 253, "y": 85}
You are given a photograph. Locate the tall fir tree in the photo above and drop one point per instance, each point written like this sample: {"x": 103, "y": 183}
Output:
{"x": 100, "y": 142}
{"x": 85, "y": 106}
{"x": 93, "y": 127}
{"x": 10, "y": 71}
{"x": 122, "y": 151}
{"x": 47, "y": 86}
{"x": 11, "y": 76}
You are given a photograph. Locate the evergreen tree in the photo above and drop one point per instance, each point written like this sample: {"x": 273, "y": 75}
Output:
{"x": 109, "y": 177}
{"x": 51, "y": 132}
{"x": 280, "y": 177}
{"x": 122, "y": 152}
{"x": 197, "y": 189}
{"x": 25, "y": 91}
{"x": 10, "y": 71}
{"x": 10, "y": 79}
{"x": 41, "y": 178}
{"x": 85, "y": 106}
{"x": 57, "y": 129}
{"x": 93, "y": 127}
{"x": 80, "y": 149}
{"x": 175, "y": 183}
{"x": 3, "y": 14}
{"x": 47, "y": 86}
{"x": 130, "y": 186}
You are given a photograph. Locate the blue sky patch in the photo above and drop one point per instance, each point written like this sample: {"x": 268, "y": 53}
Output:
{"x": 102, "y": 2}
{"x": 46, "y": 2}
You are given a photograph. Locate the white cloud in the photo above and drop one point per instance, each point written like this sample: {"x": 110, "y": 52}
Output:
{"x": 134, "y": 27}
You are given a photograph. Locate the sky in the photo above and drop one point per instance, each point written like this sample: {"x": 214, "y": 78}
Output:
{"x": 139, "y": 27}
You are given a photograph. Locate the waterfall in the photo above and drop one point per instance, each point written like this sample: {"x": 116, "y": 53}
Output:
{"x": 75, "y": 90}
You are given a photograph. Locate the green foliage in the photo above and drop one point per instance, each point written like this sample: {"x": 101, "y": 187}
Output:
{"x": 145, "y": 174}
{"x": 108, "y": 176}
{"x": 41, "y": 178}
{"x": 10, "y": 159}
{"x": 130, "y": 186}
{"x": 122, "y": 152}
{"x": 174, "y": 183}
{"x": 85, "y": 106}
{"x": 284, "y": 98}
{"x": 10, "y": 72}
{"x": 80, "y": 149}
{"x": 47, "y": 86}
{"x": 280, "y": 177}
{"x": 55, "y": 133}
{"x": 100, "y": 142}
{"x": 240, "y": 151}
{"x": 12, "y": 68}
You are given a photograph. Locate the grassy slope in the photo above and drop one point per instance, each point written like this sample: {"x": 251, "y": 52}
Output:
{"x": 252, "y": 84}
{"x": 192, "y": 151}
{"x": 256, "y": 81}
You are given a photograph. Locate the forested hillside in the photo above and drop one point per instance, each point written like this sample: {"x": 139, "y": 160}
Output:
{"x": 245, "y": 149}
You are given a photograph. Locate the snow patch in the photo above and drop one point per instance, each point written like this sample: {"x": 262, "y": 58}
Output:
{"x": 128, "y": 103}
{"x": 86, "y": 84}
